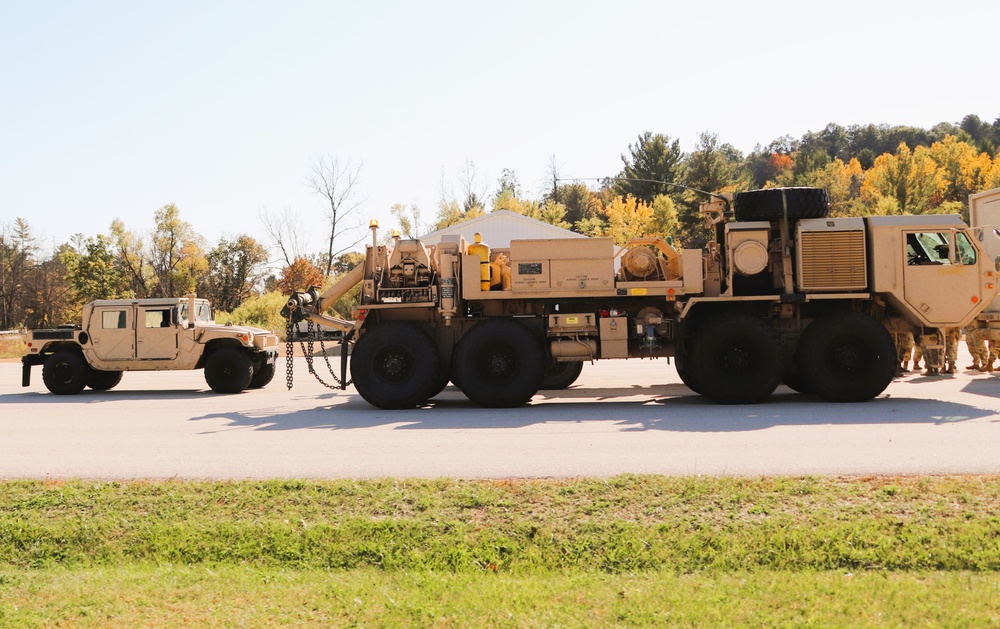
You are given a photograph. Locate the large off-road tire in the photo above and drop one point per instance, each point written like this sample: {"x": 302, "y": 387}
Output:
{"x": 65, "y": 373}
{"x": 794, "y": 380}
{"x": 769, "y": 204}
{"x": 736, "y": 359}
{"x": 228, "y": 370}
{"x": 682, "y": 363}
{"x": 561, "y": 375}
{"x": 439, "y": 384}
{"x": 846, "y": 357}
{"x": 103, "y": 380}
{"x": 501, "y": 362}
{"x": 395, "y": 365}
{"x": 262, "y": 376}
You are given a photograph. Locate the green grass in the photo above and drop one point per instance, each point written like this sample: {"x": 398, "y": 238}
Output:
{"x": 627, "y": 551}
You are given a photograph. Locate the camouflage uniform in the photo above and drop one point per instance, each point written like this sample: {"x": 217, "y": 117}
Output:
{"x": 994, "y": 353}
{"x": 953, "y": 336}
{"x": 904, "y": 347}
{"x": 977, "y": 348}
{"x": 932, "y": 358}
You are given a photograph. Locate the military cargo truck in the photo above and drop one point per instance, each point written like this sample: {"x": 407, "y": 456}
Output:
{"x": 785, "y": 293}
{"x": 115, "y": 336}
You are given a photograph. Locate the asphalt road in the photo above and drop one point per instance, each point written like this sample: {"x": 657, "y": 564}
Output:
{"x": 621, "y": 417}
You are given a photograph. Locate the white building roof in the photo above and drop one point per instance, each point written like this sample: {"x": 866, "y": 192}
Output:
{"x": 499, "y": 228}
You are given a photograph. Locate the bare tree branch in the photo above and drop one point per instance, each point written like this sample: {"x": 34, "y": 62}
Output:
{"x": 286, "y": 232}
{"x": 337, "y": 183}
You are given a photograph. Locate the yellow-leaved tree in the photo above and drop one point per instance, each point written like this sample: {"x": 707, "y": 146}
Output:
{"x": 627, "y": 218}
{"x": 911, "y": 179}
{"x": 843, "y": 183}
{"x": 964, "y": 169}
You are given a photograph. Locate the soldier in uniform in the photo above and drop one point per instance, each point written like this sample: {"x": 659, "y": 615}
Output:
{"x": 932, "y": 357}
{"x": 993, "y": 352}
{"x": 977, "y": 348}
{"x": 904, "y": 347}
{"x": 953, "y": 336}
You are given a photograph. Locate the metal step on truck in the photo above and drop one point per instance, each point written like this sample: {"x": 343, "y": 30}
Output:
{"x": 785, "y": 293}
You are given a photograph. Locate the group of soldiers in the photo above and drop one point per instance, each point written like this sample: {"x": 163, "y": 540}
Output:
{"x": 984, "y": 353}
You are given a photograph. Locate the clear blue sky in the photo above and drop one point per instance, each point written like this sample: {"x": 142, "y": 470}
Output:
{"x": 112, "y": 109}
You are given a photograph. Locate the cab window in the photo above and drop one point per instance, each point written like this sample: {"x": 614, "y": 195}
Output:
{"x": 927, "y": 248}
{"x": 966, "y": 252}
{"x": 157, "y": 318}
{"x": 113, "y": 319}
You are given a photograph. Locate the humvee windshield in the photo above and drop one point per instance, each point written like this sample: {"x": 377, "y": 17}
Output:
{"x": 202, "y": 312}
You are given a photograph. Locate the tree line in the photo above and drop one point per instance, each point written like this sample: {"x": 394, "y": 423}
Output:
{"x": 867, "y": 169}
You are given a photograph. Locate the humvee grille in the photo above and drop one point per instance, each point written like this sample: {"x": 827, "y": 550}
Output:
{"x": 832, "y": 261}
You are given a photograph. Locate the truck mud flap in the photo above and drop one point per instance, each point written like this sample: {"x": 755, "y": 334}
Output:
{"x": 26, "y": 363}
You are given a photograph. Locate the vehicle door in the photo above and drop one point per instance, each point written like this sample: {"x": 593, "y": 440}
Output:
{"x": 112, "y": 332}
{"x": 941, "y": 278}
{"x": 156, "y": 334}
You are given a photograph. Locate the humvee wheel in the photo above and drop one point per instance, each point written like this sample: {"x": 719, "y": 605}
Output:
{"x": 847, "y": 357}
{"x": 562, "y": 375}
{"x": 103, "y": 380}
{"x": 262, "y": 376}
{"x": 395, "y": 365}
{"x": 501, "y": 364}
{"x": 228, "y": 371}
{"x": 65, "y": 373}
{"x": 736, "y": 359}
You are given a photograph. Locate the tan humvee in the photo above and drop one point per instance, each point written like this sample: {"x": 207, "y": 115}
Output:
{"x": 150, "y": 335}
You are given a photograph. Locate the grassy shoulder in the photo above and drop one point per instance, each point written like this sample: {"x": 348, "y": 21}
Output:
{"x": 631, "y": 550}
{"x": 226, "y": 595}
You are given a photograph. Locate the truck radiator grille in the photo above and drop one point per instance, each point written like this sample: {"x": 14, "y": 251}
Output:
{"x": 832, "y": 261}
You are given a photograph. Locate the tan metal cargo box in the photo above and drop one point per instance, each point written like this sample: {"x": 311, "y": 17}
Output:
{"x": 614, "y": 337}
{"x": 562, "y": 264}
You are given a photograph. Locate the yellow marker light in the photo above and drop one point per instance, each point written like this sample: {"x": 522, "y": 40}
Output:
{"x": 373, "y": 223}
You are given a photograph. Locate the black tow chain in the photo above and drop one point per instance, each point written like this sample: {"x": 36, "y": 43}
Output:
{"x": 307, "y": 350}
{"x": 289, "y": 354}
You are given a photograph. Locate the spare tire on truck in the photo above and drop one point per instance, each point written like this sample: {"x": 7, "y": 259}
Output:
{"x": 769, "y": 204}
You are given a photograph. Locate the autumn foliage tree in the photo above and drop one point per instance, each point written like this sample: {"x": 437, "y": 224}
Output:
{"x": 909, "y": 178}
{"x": 300, "y": 275}
{"x": 627, "y": 218}
{"x": 235, "y": 268}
